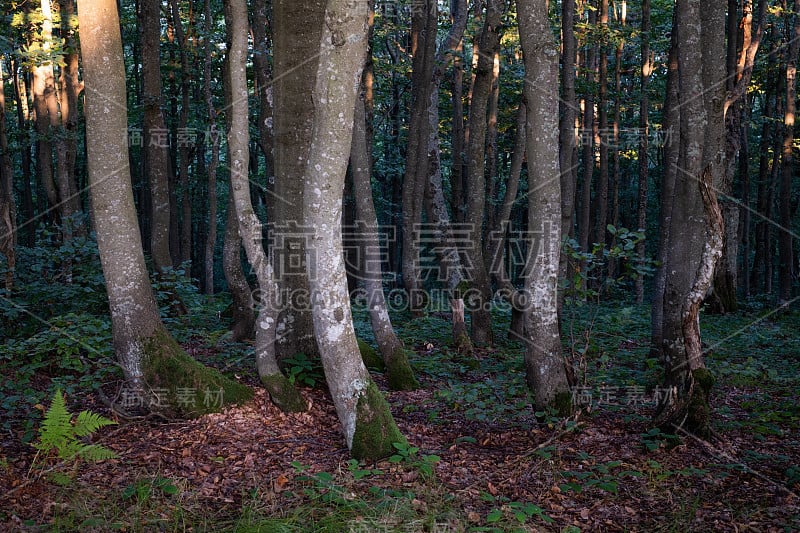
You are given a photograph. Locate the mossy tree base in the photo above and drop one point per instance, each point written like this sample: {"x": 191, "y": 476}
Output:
{"x": 376, "y": 430}
{"x": 181, "y": 387}
{"x": 400, "y": 374}
{"x": 284, "y": 394}
{"x": 370, "y": 356}
{"x": 688, "y": 407}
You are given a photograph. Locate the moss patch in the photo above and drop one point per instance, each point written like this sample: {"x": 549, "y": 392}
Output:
{"x": 698, "y": 420}
{"x": 284, "y": 394}
{"x": 563, "y": 403}
{"x": 370, "y": 356}
{"x": 400, "y": 374}
{"x": 376, "y": 430}
{"x": 182, "y": 387}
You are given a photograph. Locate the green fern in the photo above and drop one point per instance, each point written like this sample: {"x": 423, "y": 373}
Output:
{"x": 58, "y": 434}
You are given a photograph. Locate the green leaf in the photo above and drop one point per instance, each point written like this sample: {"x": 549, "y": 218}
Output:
{"x": 494, "y": 516}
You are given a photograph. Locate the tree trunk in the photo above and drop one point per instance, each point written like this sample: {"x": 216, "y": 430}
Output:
{"x": 45, "y": 107}
{"x": 423, "y": 28}
{"x": 544, "y": 364}
{"x": 211, "y": 237}
{"x": 297, "y": 30}
{"x": 150, "y": 358}
{"x": 479, "y": 304}
{"x": 600, "y": 206}
{"x": 672, "y": 117}
{"x": 786, "y": 273}
{"x": 244, "y": 320}
{"x": 281, "y": 390}
{"x": 400, "y": 373}
{"x": 568, "y": 106}
{"x": 23, "y": 116}
{"x": 587, "y": 137}
{"x": 367, "y": 422}
{"x": 457, "y": 167}
{"x": 155, "y": 134}
{"x": 644, "y": 144}
{"x": 184, "y": 141}
{"x": 8, "y": 208}
{"x": 67, "y": 144}
{"x": 697, "y": 228}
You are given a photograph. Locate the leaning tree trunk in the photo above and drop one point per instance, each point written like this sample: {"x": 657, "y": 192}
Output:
{"x": 400, "y": 373}
{"x": 281, "y": 390}
{"x": 697, "y": 227}
{"x": 243, "y": 317}
{"x": 150, "y": 358}
{"x": 544, "y": 364}
{"x": 367, "y": 422}
{"x": 297, "y": 28}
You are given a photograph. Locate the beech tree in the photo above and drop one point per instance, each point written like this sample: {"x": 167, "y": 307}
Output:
{"x": 696, "y": 225}
{"x": 154, "y": 365}
{"x": 367, "y": 422}
{"x": 544, "y": 364}
{"x": 281, "y": 390}
{"x": 297, "y": 29}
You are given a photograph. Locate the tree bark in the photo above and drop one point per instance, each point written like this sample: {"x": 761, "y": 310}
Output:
{"x": 283, "y": 393}
{"x": 423, "y": 35}
{"x": 786, "y": 273}
{"x": 211, "y": 237}
{"x": 644, "y": 144}
{"x": 697, "y": 227}
{"x": 400, "y": 373}
{"x": 155, "y": 135}
{"x": 8, "y": 208}
{"x": 567, "y": 140}
{"x": 150, "y": 358}
{"x": 366, "y": 419}
{"x": 297, "y": 30}
{"x": 481, "y": 295}
{"x": 544, "y": 363}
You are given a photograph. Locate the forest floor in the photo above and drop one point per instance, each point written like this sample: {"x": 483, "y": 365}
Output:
{"x": 479, "y": 458}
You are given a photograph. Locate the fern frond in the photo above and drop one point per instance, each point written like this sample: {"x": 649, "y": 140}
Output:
{"x": 88, "y": 422}
{"x": 57, "y": 433}
{"x": 56, "y": 427}
{"x": 95, "y": 452}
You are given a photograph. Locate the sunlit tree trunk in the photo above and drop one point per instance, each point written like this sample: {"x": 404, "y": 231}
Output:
{"x": 46, "y": 109}
{"x": 67, "y": 144}
{"x": 544, "y": 363}
{"x": 367, "y": 422}
{"x": 150, "y": 358}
